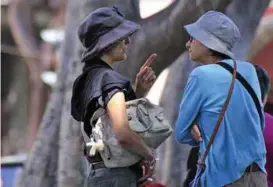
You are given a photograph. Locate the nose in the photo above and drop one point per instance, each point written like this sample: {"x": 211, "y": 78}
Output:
{"x": 188, "y": 44}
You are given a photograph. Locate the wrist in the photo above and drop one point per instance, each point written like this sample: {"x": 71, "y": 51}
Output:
{"x": 149, "y": 156}
{"x": 139, "y": 92}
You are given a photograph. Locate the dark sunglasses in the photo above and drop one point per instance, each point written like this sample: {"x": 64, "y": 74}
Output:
{"x": 191, "y": 39}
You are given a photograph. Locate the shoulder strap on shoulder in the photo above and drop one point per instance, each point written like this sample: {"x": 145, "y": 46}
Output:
{"x": 247, "y": 86}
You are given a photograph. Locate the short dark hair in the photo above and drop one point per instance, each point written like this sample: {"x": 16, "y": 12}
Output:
{"x": 112, "y": 46}
{"x": 219, "y": 55}
{"x": 264, "y": 81}
{"x": 108, "y": 48}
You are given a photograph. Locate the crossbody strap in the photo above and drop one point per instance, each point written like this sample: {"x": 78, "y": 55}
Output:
{"x": 220, "y": 118}
{"x": 97, "y": 114}
{"x": 247, "y": 87}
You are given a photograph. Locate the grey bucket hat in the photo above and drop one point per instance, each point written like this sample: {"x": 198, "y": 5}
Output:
{"x": 216, "y": 31}
{"x": 102, "y": 28}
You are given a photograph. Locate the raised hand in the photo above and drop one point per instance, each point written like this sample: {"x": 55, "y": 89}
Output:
{"x": 146, "y": 76}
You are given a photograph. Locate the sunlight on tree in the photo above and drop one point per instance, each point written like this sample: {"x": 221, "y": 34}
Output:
{"x": 151, "y": 7}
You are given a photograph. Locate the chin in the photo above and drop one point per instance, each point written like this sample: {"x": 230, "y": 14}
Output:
{"x": 122, "y": 58}
{"x": 192, "y": 57}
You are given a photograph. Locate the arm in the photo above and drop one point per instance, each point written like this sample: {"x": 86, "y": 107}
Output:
{"x": 189, "y": 109}
{"x": 116, "y": 110}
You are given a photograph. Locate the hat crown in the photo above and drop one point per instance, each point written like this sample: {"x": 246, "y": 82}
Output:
{"x": 98, "y": 23}
{"x": 220, "y": 26}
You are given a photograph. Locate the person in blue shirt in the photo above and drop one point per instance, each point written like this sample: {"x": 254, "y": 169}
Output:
{"x": 237, "y": 156}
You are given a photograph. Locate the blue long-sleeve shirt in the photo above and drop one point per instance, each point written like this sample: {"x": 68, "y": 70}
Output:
{"x": 239, "y": 141}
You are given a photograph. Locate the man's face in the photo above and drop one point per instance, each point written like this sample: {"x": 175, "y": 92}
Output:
{"x": 197, "y": 50}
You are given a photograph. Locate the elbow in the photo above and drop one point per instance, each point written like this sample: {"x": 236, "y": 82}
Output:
{"x": 183, "y": 137}
{"x": 179, "y": 137}
{"x": 124, "y": 138}
{"x": 124, "y": 142}
{"x": 123, "y": 134}
{"x": 179, "y": 134}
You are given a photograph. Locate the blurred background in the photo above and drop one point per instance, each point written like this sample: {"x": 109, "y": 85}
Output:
{"x": 40, "y": 58}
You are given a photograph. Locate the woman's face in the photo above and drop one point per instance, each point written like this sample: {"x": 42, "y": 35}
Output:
{"x": 118, "y": 52}
{"x": 197, "y": 51}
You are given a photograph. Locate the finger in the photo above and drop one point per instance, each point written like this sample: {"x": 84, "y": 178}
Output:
{"x": 196, "y": 133}
{"x": 196, "y": 129}
{"x": 143, "y": 71}
{"x": 149, "y": 84}
{"x": 143, "y": 171}
{"x": 151, "y": 79}
{"x": 149, "y": 61}
{"x": 196, "y": 137}
{"x": 193, "y": 135}
{"x": 148, "y": 75}
{"x": 150, "y": 173}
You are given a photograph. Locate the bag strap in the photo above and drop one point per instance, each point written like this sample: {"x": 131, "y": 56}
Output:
{"x": 247, "y": 87}
{"x": 86, "y": 138}
{"x": 140, "y": 112}
{"x": 97, "y": 114}
{"x": 220, "y": 118}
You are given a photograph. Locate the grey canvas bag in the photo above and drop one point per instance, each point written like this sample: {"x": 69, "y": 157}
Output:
{"x": 145, "y": 119}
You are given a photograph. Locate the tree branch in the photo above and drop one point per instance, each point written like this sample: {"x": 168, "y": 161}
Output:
{"x": 167, "y": 38}
{"x": 19, "y": 15}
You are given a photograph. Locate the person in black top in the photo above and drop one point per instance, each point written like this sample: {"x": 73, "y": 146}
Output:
{"x": 105, "y": 35}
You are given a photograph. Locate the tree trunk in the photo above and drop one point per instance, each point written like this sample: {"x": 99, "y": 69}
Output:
{"x": 14, "y": 93}
{"x": 246, "y": 15}
{"x": 42, "y": 164}
{"x": 70, "y": 165}
{"x": 129, "y": 8}
{"x": 19, "y": 15}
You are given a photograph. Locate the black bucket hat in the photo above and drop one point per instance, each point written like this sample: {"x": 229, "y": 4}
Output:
{"x": 102, "y": 28}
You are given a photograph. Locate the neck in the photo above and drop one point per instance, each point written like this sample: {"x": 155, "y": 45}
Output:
{"x": 107, "y": 59}
{"x": 211, "y": 60}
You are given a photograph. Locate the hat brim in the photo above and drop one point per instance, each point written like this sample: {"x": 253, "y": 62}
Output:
{"x": 125, "y": 29}
{"x": 208, "y": 40}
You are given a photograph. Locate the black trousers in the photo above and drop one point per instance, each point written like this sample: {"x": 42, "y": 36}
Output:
{"x": 191, "y": 165}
